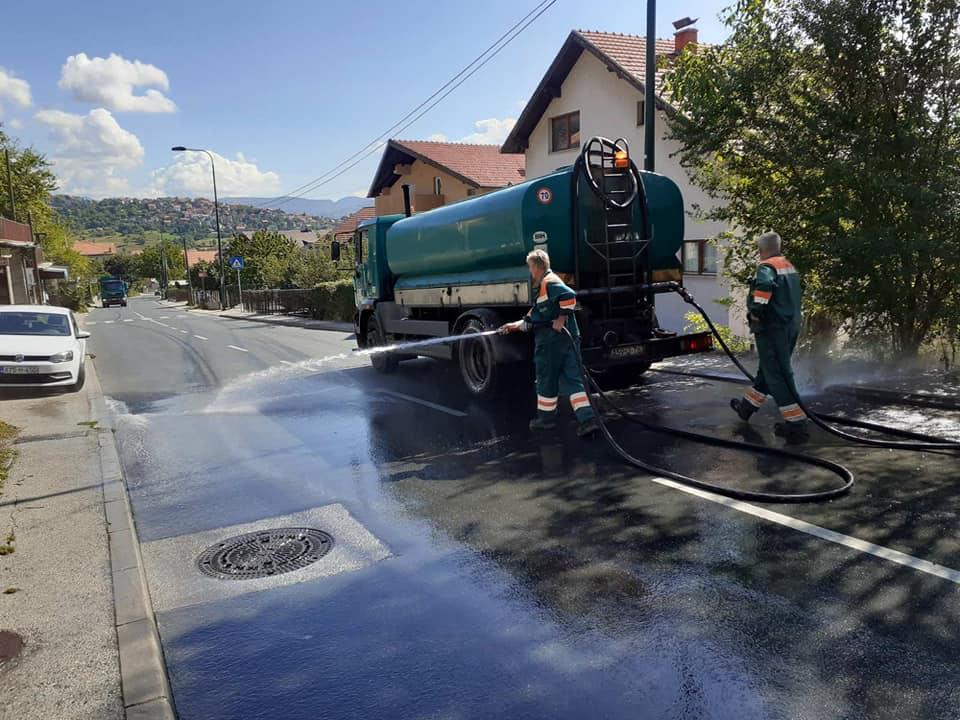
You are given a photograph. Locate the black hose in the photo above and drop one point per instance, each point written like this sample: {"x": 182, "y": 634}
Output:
{"x": 929, "y": 443}
{"x": 752, "y": 495}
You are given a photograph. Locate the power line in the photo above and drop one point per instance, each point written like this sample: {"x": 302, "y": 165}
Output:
{"x": 438, "y": 96}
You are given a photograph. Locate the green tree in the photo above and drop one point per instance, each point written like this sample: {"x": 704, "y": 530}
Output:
{"x": 123, "y": 265}
{"x": 33, "y": 185}
{"x": 150, "y": 263}
{"x": 268, "y": 258}
{"x": 837, "y": 123}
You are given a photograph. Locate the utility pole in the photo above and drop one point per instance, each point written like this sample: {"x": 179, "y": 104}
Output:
{"x": 13, "y": 204}
{"x": 186, "y": 264}
{"x": 649, "y": 94}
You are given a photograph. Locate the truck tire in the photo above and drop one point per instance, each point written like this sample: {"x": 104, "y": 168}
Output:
{"x": 382, "y": 362}
{"x": 477, "y": 361}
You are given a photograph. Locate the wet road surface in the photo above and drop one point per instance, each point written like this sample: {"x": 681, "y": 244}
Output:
{"x": 479, "y": 572}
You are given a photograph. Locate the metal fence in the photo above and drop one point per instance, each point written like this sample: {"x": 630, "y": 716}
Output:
{"x": 277, "y": 302}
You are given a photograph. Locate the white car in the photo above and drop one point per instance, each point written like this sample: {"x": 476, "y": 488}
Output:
{"x": 41, "y": 346}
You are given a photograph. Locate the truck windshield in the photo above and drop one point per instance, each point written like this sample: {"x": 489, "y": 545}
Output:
{"x": 113, "y": 287}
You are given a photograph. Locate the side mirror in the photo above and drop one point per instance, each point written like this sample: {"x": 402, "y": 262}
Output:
{"x": 335, "y": 251}
{"x": 82, "y": 335}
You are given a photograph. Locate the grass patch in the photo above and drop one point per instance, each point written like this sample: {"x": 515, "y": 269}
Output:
{"x": 92, "y": 424}
{"x": 7, "y": 432}
{"x": 8, "y": 547}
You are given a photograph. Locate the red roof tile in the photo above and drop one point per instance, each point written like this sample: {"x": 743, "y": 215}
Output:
{"x": 93, "y": 249}
{"x": 484, "y": 165}
{"x": 195, "y": 256}
{"x": 629, "y": 52}
{"x": 348, "y": 224}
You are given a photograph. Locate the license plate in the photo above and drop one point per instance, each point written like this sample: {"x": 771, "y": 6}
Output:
{"x": 19, "y": 370}
{"x": 627, "y": 351}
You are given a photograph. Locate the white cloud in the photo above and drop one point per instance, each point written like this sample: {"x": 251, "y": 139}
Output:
{"x": 13, "y": 90}
{"x": 15, "y": 123}
{"x": 91, "y": 152}
{"x": 438, "y": 137}
{"x": 490, "y": 131}
{"x": 190, "y": 175}
{"x": 111, "y": 82}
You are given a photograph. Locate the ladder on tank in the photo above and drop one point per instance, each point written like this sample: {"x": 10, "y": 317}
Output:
{"x": 622, "y": 249}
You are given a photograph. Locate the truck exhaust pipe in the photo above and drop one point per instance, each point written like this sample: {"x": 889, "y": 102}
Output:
{"x": 406, "y": 201}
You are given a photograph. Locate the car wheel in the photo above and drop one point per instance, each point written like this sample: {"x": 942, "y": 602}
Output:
{"x": 477, "y": 360}
{"x": 382, "y": 362}
{"x": 123, "y": 304}
{"x": 81, "y": 378}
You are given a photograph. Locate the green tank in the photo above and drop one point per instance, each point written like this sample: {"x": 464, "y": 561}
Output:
{"x": 497, "y": 230}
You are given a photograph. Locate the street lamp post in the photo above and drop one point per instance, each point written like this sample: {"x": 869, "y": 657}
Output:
{"x": 216, "y": 209}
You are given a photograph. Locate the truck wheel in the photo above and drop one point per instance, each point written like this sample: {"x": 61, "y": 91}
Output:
{"x": 382, "y": 362}
{"x": 477, "y": 360}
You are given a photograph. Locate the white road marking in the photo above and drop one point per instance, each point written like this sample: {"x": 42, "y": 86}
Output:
{"x": 92, "y": 322}
{"x": 200, "y": 337}
{"x": 164, "y": 317}
{"x": 425, "y": 403}
{"x": 884, "y": 553}
{"x": 108, "y": 322}
{"x": 184, "y": 332}
{"x": 234, "y": 347}
{"x": 129, "y": 320}
{"x": 287, "y": 362}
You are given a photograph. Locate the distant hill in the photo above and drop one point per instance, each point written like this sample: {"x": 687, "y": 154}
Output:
{"x": 136, "y": 222}
{"x": 324, "y": 208}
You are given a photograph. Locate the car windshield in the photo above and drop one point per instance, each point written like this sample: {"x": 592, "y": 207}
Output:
{"x": 34, "y": 323}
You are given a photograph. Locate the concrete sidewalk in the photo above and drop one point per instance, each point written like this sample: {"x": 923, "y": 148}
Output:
{"x": 63, "y": 588}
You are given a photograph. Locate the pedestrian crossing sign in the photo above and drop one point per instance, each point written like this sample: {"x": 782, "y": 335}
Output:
{"x": 236, "y": 263}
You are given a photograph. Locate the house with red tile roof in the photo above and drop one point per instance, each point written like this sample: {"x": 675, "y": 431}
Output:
{"x": 195, "y": 256}
{"x": 595, "y": 86}
{"x": 95, "y": 250}
{"x": 346, "y": 226}
{"x": 440, "y": 173}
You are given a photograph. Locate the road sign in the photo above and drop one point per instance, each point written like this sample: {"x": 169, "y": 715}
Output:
{"x": 236, "y": 263}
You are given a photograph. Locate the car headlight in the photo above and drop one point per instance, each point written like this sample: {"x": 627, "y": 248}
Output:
{"x": 62, "y": 357}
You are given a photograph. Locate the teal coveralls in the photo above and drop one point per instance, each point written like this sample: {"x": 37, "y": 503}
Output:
{"x": 554, "y": 356}
{"x": 775, "y": 300}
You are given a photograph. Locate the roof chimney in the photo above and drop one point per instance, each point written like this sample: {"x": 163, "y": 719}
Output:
{"x": 685, "y": 34}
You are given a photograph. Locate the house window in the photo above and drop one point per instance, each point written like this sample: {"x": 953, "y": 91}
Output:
{"x": 699, "y": 257}
{"x": 565, "y": 132}
{"x": 437, "y": 186}
{"x": 641, "y": 111}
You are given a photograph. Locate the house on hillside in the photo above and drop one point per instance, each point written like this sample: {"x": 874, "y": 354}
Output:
{"x": 95, "y": 250}
{"x": 440, "y": 173}
{"x": 595, "y": 86}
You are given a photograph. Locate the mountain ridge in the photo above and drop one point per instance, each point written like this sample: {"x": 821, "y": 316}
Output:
{"x": 308, "y": 206}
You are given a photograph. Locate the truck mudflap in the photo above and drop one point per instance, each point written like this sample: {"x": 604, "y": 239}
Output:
{"x": 648, "y": 351}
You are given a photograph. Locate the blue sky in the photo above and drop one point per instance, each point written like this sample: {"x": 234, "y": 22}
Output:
{"x": 280, "y": 91}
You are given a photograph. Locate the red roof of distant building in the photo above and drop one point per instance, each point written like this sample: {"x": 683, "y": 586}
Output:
{"x": 480, "y": 166}
{"x": 195, "y": 256}
{"x": 349, "y": 223}
{"x": 94, "y": 249}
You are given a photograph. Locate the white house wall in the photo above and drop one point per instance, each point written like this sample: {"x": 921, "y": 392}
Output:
{"x": 608, "y": 107}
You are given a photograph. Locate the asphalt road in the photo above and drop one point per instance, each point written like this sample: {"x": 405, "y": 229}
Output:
{"x": 480, "y": 572}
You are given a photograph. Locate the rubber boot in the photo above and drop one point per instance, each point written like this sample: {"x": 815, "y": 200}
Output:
{"x": 743, "y": 409}
{"x": 542, "y": 423}
{"x": 793, "y": 432}
{"x": 588, "y": 428}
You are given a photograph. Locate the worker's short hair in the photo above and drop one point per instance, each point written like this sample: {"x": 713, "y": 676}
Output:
{"x": 769, "y": 241}
{"x": 539, "y": 257}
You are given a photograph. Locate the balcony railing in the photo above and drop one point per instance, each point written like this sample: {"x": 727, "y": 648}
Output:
{"x": 18, "y": 232}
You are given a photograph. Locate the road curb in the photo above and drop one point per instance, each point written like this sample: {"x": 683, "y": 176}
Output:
{"x": 143, "y": 674}
{"x": 306, "y": 325}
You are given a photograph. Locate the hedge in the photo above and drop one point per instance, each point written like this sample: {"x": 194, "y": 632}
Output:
{"x": 328, "y": 301}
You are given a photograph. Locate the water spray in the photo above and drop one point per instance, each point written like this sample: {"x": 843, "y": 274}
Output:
{"x": 417, "y": 344}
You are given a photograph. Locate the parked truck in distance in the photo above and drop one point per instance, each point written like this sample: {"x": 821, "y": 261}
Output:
{"x": 612, "y": 232}
{"x": 113, "y": 291}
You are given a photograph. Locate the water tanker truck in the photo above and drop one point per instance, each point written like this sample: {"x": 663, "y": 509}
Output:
{"x": 612, "y": 232}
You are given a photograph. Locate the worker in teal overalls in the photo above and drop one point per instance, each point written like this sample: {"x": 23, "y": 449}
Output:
{"x": 773, "y": 305}
{"x": 556, "y": 358}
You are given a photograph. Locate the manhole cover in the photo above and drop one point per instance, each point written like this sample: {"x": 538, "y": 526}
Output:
{"x": 10, "y": 645}
{"x": 264, "y": 553}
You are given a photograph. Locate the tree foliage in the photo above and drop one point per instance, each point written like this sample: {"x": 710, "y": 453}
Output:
{"x": 837, "y": 123}
{"x": 150, "y": 263}
{"x": 33, "y": 184}
{"x": 272, "y": 260}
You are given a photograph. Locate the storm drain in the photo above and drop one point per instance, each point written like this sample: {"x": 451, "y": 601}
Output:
{"x": 264, "y": 553}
